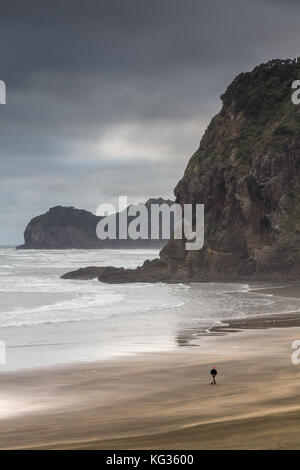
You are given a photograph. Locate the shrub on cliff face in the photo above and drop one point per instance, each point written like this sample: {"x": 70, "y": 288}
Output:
{"x": 258, "y": 93}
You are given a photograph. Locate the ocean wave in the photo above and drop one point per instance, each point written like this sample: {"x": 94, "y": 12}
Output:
{"x": 31, "y": 280}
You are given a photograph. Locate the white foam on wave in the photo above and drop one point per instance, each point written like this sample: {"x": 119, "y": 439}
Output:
{"x": 82, "y": 306}
{"x": 31, "y": 280}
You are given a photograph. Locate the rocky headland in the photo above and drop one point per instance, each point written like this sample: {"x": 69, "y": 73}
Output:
{"x": 247, "y": 173}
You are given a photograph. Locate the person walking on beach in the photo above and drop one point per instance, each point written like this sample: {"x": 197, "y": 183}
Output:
{"x": 213, "y": 374}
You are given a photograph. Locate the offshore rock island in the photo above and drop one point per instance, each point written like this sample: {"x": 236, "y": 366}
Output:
{"x": 247, "y": 173}
{"x": 70, "y": 228}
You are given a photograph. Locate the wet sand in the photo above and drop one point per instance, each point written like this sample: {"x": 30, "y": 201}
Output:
{"x": 285, "y": 320}
{"x": 165, "y": 400}
{"x": 162, "y": 400}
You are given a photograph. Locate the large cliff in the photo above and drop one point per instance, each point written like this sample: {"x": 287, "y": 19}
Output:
{"x": 247, "y": 173}
{"x": 67, "y": 227}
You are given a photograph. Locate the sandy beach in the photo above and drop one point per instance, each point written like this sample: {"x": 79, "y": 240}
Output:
{"x": 163, "y": 400}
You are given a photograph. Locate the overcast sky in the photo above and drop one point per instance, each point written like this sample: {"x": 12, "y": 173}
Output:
{"x": 111, "y": 97}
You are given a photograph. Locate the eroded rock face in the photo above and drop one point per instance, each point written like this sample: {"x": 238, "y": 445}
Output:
{"x": 60, "y": 228}
{"x": 247, "y": 173}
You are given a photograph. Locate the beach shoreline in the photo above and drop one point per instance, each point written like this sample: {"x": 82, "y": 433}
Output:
{"x": 164, "y": 400}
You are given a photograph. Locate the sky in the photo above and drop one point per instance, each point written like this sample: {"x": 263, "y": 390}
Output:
{"x": 111, "y": 97}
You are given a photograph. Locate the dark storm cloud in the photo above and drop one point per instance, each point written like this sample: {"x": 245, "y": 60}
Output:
{"x": 111, "y": 97}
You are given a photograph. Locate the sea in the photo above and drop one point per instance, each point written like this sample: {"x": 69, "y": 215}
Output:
{"x": 46, "y": 321}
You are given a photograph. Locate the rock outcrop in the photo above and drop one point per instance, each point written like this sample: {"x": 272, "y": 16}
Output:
{"x": 247, "y": 173}
{"x": 91, "y": 272}
{"x": 67, "y": 227}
